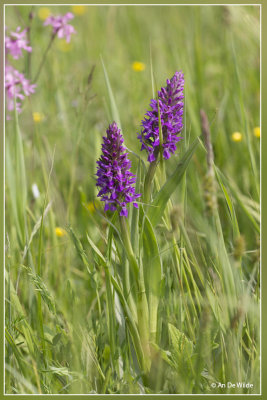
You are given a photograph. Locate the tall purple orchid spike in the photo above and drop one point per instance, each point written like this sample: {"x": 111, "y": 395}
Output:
{"x": 113, "y": 173}
{"x": 171, "y": 107}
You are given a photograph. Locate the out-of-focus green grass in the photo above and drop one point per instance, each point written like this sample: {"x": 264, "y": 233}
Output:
{"x": 218, "y": 50}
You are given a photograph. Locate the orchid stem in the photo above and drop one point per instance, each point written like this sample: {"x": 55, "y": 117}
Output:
{"x": 128, "y": 246}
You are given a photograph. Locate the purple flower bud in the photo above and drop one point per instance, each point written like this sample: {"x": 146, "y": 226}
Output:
{"x": 113, "y": 173}
{"x": 171, "y": 107}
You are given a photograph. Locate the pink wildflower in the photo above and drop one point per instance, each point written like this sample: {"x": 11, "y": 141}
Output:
{"x": 16, "y": 42}
{"x": 17, "y": 86}
{"x": 60, "y": 25}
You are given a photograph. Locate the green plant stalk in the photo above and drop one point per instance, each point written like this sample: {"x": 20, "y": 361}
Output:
{"x": 181, "y": 275}
{"x": 39, "y": 299}
{"x": 9, "y": 348}
{"x": 143, "y": 319}
{"x": 153, "y": 274}
{"x": 128, "y": 247}
{"x": 131, "y": 324}
{"x": 178, "y": 261}
{"x": 11, "y": 183}
{"x": 39, "y": 272}
{"x": 20, "y": 177}
{"x": 203, "y": 349}
{"x": 128, "y": 293}
{"x": 21, "y": 206}
{"x": 227, "y": 272}
{"x": 16, "y": 351}
{"x": 142, "y": 306}
{"x": 153, "y": 315}
{"x": 153, "y": 300}
{"x": 162, "y": 197}
{"x": 74, "y": 161}
{"x": 126, "y": 273}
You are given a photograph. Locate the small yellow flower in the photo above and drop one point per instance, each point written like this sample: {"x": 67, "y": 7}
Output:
{"x": 44, "y": 13}
{"x": 138, "y": 66}
{"x": 90, "y": 207}
{"x": 257, "y": 131}
{"x": 37, "y": 117}
{"x": 237, "y": 137}
{"x": 60, "y": 231}
{"x": 64, "y": 46}
{"x": 79, "y": 10}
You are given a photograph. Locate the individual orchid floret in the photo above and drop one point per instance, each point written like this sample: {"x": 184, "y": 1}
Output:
{"x": 170, "y": 105}
{"x": 60, "y": 25}
{"x": 114, "y": 178}
{"x": 16, "y": 42}
{"x": 17, "y": 86}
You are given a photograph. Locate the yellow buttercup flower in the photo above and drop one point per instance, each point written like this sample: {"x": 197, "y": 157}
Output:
{"x": 37, "y": 117}
{"x": 79, "y": 10}
{"x": 60, "y": 231}
{"x": 257, "y": 131}
{"x": 64, "y": 46}
{"x": 237, "y": 137}
{"x": 44, "y": 13}
{"x": 138, "y": 66}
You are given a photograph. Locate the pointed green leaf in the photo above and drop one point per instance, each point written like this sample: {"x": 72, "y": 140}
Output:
{"x": 153, "y": 274}
{"x": 229, "y": 203}
{"x": 152, "y": 260}
{"x": 96, "y": 250}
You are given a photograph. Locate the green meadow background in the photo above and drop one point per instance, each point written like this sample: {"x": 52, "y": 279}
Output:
{"x": 57, "y": 317}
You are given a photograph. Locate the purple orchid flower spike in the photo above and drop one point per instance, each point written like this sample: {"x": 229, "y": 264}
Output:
{"x": 114, "y": 178}
{"x": 170, "y": 100}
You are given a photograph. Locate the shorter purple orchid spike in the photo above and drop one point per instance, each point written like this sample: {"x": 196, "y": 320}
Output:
{"x": 170, "y": 100}
{"x": 113, "y": 173}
